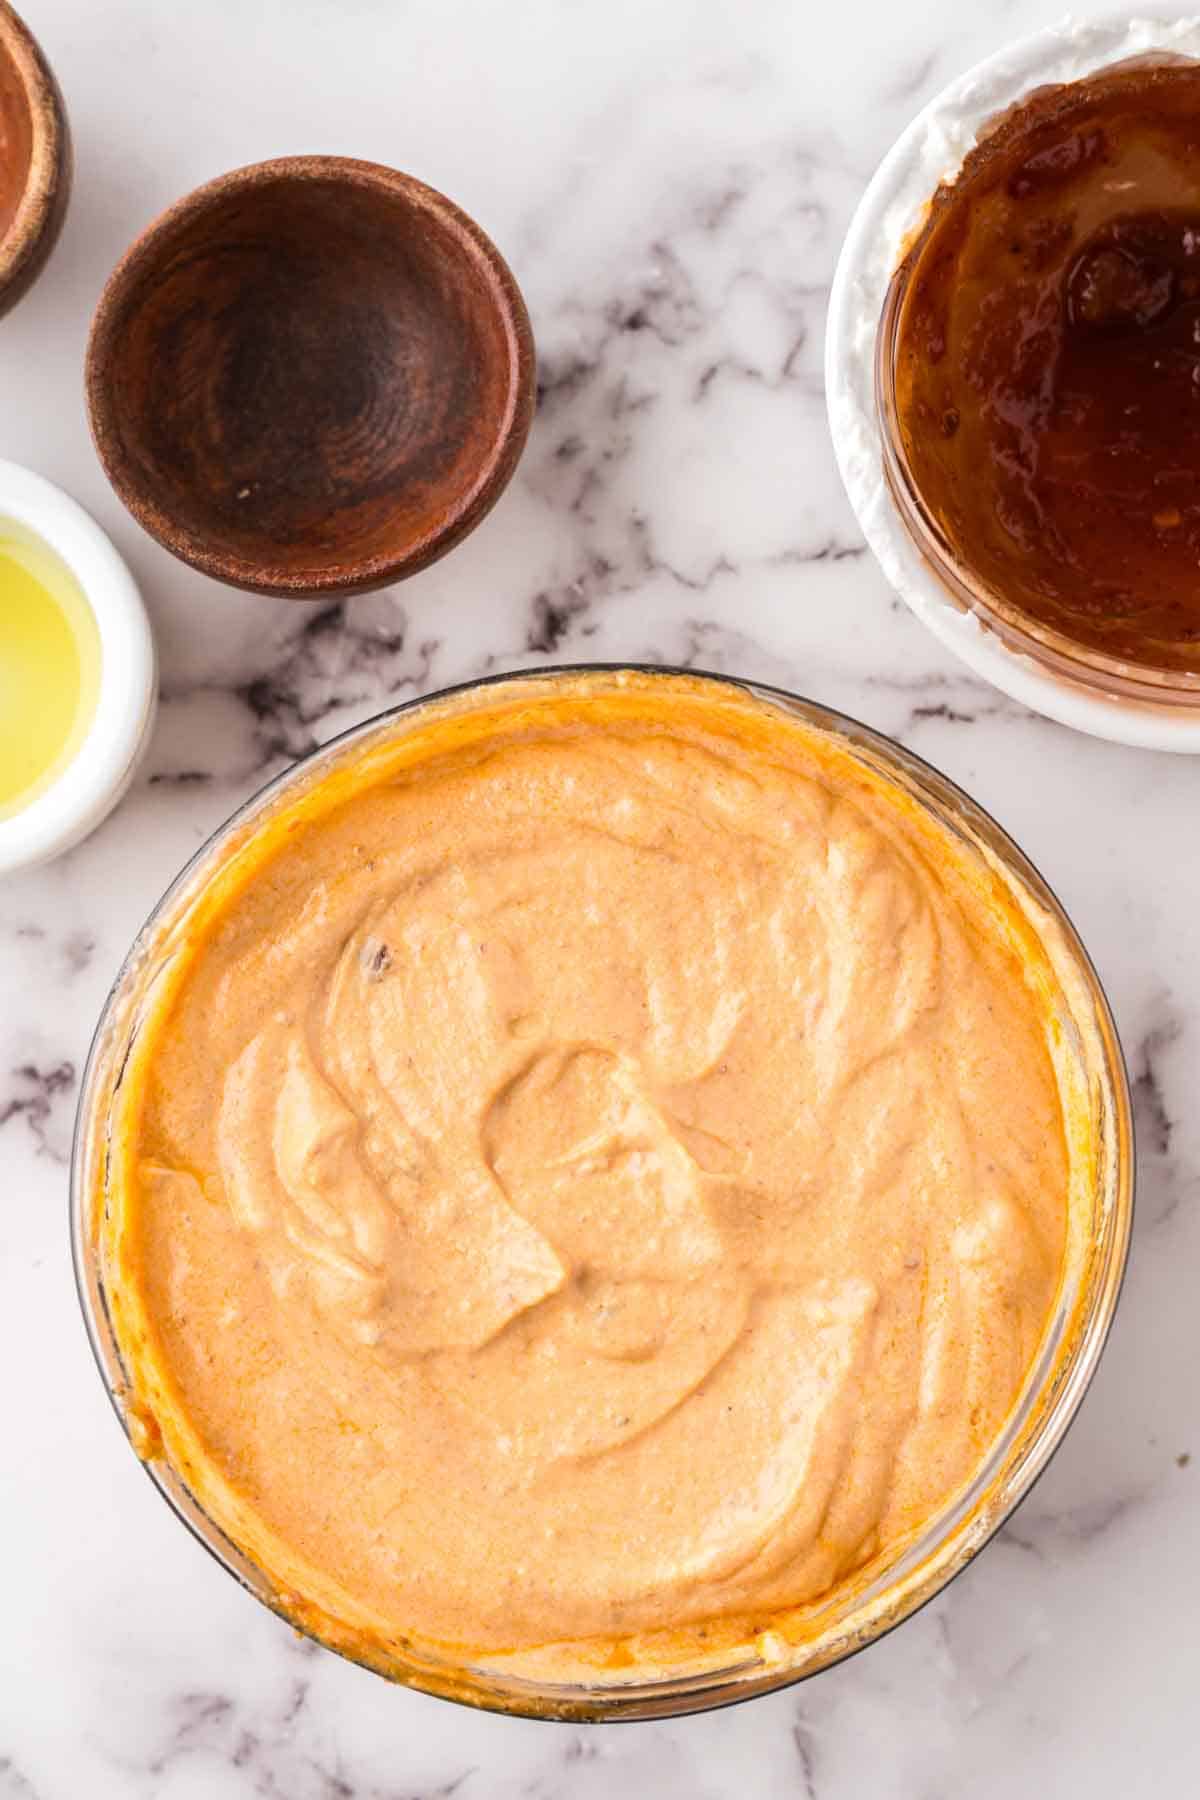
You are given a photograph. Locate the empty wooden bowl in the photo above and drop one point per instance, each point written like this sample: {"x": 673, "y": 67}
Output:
{"x": 312, "y": 376}
{"x": 35, "y": 159}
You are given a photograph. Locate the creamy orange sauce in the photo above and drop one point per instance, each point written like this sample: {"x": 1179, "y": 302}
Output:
{"x": 597, "y": 1168}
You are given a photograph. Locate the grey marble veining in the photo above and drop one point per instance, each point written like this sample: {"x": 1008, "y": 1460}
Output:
{"x": 671, "y": 184}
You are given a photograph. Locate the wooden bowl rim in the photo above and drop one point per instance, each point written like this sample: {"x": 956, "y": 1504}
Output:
{"x": 49, "y": 146}
{"x": 140, "y": 261}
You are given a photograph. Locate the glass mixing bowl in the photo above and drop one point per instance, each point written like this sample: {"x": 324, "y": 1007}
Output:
{"x": 1101, "y": 1155}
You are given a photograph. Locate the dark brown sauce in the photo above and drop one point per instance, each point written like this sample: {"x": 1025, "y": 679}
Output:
{"x": 1048, "y": 364}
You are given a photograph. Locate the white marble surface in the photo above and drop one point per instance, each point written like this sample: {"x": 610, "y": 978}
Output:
{"x": 670, "y": 182}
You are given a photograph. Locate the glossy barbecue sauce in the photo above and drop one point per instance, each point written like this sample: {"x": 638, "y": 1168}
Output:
{"x": 1048, "y": 364}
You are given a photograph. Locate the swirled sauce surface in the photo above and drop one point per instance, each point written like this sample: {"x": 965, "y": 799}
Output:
{"x": 602, "y": 1176}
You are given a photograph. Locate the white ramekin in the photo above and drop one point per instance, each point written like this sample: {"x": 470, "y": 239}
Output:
{"x": 98, "y": 774}
{"x": 930, "y": 151}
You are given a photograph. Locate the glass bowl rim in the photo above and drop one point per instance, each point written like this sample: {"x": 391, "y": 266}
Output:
{"x": 671, "y": 1696}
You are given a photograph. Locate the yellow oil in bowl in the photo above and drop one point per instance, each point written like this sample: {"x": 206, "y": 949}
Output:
{"x": 49, "y": 667}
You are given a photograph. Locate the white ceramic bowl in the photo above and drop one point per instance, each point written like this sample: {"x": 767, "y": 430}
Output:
{"x": 932, "y": 150}
{"x": 98, "y": 774}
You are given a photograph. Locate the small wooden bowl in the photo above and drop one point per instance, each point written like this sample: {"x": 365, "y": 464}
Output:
{"x": 35, "y": 159}
{"x": 312, "y": 376}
